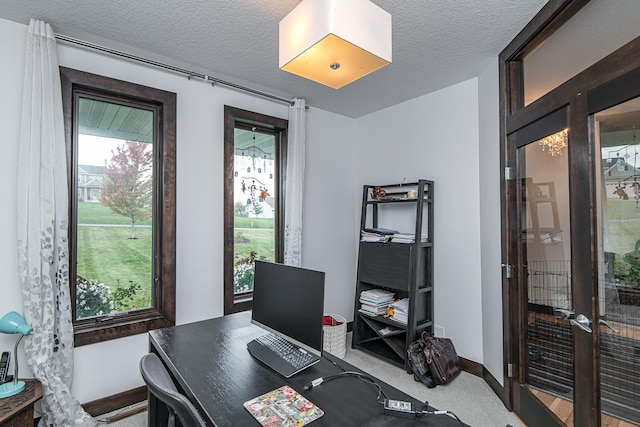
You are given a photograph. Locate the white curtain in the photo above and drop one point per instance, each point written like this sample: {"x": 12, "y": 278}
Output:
{"x": 294, "y": 184}
{"x": 43, "y": 261}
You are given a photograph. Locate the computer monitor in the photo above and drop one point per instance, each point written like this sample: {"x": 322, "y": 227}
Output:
{"x": 289, "y": 301}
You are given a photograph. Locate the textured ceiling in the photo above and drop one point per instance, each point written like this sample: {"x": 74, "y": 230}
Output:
{"x": 436, "y": 43}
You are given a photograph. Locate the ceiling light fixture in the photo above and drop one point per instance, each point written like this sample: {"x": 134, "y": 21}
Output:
{"x": 555, "y": 143}
{"x": 335, "y": 42}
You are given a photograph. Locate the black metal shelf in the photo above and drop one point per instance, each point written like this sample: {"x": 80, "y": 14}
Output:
{"x": 403, "y": 268}
{"x": 381, "y": 319}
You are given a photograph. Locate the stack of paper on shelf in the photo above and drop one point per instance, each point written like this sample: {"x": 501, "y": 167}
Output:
{"x": 401, "y": 310}
{"x": 376, "y": 234}
{"x": 405, "y": 238}
{"x": 375, "y": 301}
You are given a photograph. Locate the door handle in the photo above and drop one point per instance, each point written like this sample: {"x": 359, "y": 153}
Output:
{"x": 582, "y": 322}
{"x": 608, "y": 325}
{"x": 561, "y": 312}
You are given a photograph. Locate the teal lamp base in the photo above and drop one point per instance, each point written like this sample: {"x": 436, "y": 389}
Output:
{"x": 11, "y": 388}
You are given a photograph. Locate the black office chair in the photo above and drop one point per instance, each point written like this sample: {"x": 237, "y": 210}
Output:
{"x": 162, "y": 387}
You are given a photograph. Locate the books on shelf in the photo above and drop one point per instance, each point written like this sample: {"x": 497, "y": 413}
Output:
{"x": 373, "y": 238}
{"x": 400, "y": 310}
{"x": 400, "y": 317}
{"x": 375, "y": 301}
{"x": 375, "y": 310}
{"x": 380, "y": 230}
{"x": 388, "y": 331}
{"x": 376, "y": 234}
{"x": 405, "y": 238}
{"x": 377, "y": 295}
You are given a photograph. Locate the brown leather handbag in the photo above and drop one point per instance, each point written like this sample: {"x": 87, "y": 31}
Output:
{"x": 441, "y": 357}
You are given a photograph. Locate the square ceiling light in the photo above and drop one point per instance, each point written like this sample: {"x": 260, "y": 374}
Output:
{"x": 335, "y": 42}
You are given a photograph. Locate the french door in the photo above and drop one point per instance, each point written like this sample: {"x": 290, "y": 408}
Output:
{"x": 574, "y": 238}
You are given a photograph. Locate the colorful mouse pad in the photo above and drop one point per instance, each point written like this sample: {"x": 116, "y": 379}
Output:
{"x": 283, "y": 407}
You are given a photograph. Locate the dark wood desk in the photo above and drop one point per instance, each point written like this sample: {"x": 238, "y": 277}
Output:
{"x": 210, "y": 363}
{"x": 17, "y": 410}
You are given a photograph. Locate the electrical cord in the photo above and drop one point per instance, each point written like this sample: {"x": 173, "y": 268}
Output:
{"x": 324, "y": 355}
{"x": 424, "y": 411}
{"x": 369, "y": 380}
{"x": 362, "y": 377}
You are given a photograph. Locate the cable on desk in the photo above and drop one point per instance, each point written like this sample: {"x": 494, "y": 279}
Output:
{"x": 365, "y": 378}
{"x": 332, "y": 362}
{"x": 424, "y": 411}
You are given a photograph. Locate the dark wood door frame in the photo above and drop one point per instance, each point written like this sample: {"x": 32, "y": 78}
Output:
{"x": 580, "y": 95}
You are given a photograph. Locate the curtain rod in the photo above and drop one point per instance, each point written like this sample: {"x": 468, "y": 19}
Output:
{"x": 188, "y": 73}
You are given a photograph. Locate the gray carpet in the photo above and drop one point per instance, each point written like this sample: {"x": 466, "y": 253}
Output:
{"x": 468, "y": 396}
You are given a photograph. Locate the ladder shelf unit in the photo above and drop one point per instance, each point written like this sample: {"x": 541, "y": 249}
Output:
{"x": 406, "y": 268}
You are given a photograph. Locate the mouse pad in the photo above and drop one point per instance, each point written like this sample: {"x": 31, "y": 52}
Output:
{"x": 283, "y": 407}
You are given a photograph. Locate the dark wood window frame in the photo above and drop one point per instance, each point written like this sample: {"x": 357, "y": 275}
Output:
{"x": 163, "y": 103}
{"x": 233, "y": 118}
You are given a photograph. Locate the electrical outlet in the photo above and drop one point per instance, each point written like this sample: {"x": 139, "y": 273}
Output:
{"x": 438, "y": 331}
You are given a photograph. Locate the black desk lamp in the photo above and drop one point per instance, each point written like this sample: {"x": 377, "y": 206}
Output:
{"x": 14, "y": 323}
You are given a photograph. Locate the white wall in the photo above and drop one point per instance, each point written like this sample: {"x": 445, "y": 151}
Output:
{"x": 330, "y": 239}
{"x": 490, "y": 228}
{"x": 436, "y": 137}
{"x": 439, "y": 136}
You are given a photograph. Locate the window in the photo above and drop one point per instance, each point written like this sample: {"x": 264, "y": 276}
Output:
{"x": 254, "y": 159}
{"x": 121, "y": 160}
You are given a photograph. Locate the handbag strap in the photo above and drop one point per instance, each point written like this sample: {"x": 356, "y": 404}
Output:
{"x": 426, "y": 337}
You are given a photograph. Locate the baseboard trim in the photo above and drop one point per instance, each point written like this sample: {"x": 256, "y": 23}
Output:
{"x": 471, "y": 367}
{"x": 116, "y": 401}
{"x": 481, "y": 371}
{"x": 498, "y": 389}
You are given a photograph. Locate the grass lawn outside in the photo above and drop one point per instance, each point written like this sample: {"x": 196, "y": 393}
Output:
{"x": 245, "y": 222}
{"x": 251, "y": 235}
{"x": 624, "y": 225}
{"x": 95, "y": 213}
{"x": 262, "y": 241}
{"x": 107, "y": 254}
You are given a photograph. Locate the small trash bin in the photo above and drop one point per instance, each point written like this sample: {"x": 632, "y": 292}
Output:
{"x": 335, "y": 334}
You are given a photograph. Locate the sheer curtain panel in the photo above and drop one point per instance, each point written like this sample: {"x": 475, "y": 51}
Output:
{"x": 294, "y": 184}
{"x": 43, "y": 257}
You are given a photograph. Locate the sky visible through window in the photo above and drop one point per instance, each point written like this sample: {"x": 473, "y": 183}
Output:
{"x": 96, "y": 150}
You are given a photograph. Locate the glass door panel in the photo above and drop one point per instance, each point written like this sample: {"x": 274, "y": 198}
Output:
{"x": 546, "y": 271}
{"x": 618, "y": 203}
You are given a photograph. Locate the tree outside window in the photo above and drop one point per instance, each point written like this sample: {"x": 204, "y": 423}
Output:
{"x": 121, "y": 139}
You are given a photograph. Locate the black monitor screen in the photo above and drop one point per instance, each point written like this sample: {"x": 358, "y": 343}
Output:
{"x": 289, "y": 301}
